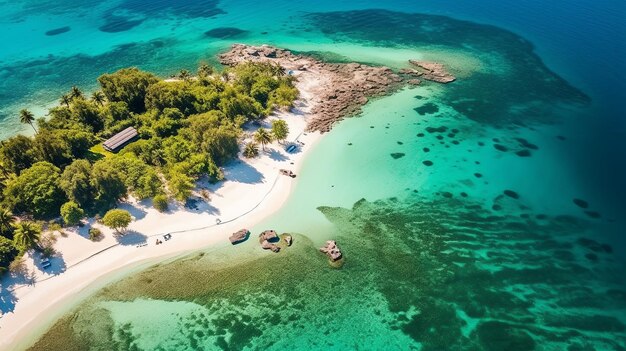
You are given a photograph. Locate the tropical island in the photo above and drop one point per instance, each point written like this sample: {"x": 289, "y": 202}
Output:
{"x": 187, "y": 129}
{"x": 144, "y": 156}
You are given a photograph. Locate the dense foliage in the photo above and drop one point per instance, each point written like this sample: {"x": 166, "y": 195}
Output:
{"x": 188, "y": 129}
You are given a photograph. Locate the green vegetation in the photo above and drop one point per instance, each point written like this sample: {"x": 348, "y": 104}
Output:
{"x": 262, "y": 136}
{"x": 280, "y": 130}
{"x": 94, "y": 234}
{"x": 187, "y": 129}
{"x": 26, "y": 236}
{"x": 27, "y": 117}
{"x": 251, "y": 150}
{"x": 117, "y": 220}
{"x": 160, "y": 203}
{"x": 71, "y": 213}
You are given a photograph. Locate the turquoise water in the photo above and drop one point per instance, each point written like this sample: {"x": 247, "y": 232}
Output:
{"x": 453, "y": 204}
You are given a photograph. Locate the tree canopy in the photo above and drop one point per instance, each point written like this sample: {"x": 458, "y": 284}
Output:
{"x": 188, "y": 128}
{"x": 117, "y": 220}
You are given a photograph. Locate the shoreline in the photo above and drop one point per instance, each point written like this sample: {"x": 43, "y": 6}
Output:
{"x": 41, "y": 304}
{"x": 239, "y": 201}
{"x": 251, "y": 192}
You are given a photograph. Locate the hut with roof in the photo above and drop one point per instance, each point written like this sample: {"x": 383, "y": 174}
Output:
{"x": 121, "y": 139}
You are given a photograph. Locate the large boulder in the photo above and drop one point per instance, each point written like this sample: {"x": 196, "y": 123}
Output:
{"x": 332, "y": 250}
{"x": 239, "y": 236}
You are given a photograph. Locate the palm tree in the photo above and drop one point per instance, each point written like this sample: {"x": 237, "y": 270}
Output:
{"x": 6, "y": 220}
{"x": 204, "y": 70}
{"x": 27, "y": 235}
{"x": 75, "y": 93}
{"x": 251, "y": 150}
{"x": 262, "y": 137}
{"x": 66, "y": 99}
{"x": 98, "y": 97}
{"x": 278, "y": 70}
{"x": 27, "y": 117}
{"x": 184, "y": 75}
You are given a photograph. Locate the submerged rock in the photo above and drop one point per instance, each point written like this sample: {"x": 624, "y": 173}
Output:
{"x": 432, "y": 71}
{"x": 512, "y": 194}
{"x": 397, "y": 155}
{"x": 581, "y": 203}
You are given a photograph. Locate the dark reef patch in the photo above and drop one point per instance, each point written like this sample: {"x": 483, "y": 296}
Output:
{"x": 225, "y": 33}
{"x": 500, "y": 147}
{"x": 427, "y": 163}
{"x": 115, "y": 24}
{"x": 512, "y": 194}
{"x": 426, "y": 149}
{"x": 427, "y": 109}
{"x": 440, "y": 129}
{"x": 397, "y": 155}
{"x": 581, "y": 203}
{"x": 523, "y": 153}
{"x": 58, "y": 31}
{"x": 485, "y": 97}
{"x": 525, "y": 143}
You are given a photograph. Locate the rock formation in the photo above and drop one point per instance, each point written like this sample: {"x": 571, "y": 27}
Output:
{"x": 267, "y": 240}
{"x": 239, "y": 236}
{"x": 432, "y": 71}
{"x": 332, "y": 91}
{"x": 288, "y": 239}
{"x": 331, "y": 250}
{"x": 266, "y": 245}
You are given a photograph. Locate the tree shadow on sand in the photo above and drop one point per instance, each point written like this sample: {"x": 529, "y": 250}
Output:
{"x": 135, "y": 211}
{"x": 57, "y": 264}
{"x": 7, "y": 299}
{"x": 277, "y": 155}
{"x": 131, "y": 238}
{"x": 243, "y": 173}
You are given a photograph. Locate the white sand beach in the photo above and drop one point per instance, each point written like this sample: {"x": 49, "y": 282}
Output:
{"x": 253, "y": 189}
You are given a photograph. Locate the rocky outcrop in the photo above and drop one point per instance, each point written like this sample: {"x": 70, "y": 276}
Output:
{"x": 426, "y": 70}
{"x": 267, "y": 240}
{"x": 332, "y": 250}
{"x": 332, "y": 91}
{"x": 266, "y": 245}
{"x": 288, "y": 239}
{"x": 269, "y": 235}
{"x": 239, "y": 236}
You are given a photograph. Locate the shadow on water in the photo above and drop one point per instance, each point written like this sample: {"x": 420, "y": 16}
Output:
{"x": 524, "y": 90}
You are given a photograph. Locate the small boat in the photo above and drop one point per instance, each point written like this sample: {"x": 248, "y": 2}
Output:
{"x": 288, "y": 173}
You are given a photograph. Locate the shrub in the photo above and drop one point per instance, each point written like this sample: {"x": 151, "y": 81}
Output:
{"x": 95, "y": 234}
{"x": 160, "y": 203}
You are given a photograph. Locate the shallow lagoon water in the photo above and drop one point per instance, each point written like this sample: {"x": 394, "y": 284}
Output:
{"x": 468, "y": 236}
